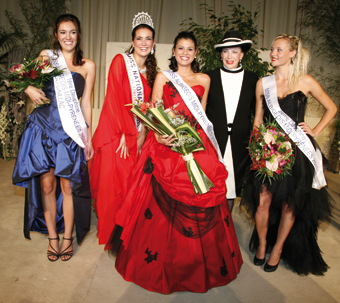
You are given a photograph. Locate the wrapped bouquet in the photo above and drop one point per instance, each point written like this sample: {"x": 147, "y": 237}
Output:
{"x": 271, "y": 151}
{"x": 35, "y": 72}
{"x": 167, "y": 122}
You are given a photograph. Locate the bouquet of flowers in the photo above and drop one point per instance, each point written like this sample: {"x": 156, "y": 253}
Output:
{"x": 271, "y": 151}
{"x": 167, "y": 122}
{"x": 35, "y": 72}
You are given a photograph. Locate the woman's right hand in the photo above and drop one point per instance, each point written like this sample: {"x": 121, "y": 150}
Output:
{"x": 165, "y": 139}
{"x": 123, "y": 147}
{"x": 36, "y": 95}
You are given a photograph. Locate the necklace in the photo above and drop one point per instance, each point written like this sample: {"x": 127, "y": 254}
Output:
{"x": 142, "y": 71}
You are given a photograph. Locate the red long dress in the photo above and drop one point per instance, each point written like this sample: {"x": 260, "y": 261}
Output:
{"x": 110, "y": 174}
{"x": 174, "y": 240}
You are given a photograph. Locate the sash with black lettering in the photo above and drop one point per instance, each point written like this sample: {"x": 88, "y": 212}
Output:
{"x": 194, "y": 105}
{"x": 136, "y": 84}
{"x": 295, "y": 133}
{"x": 71, "y": 117}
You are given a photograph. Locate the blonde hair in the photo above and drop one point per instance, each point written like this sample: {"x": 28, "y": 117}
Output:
{"x": 299, "y": 63}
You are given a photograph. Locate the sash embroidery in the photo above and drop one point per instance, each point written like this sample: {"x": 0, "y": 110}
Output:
{"x": 136, "y": 84}
{"x": 295, "y": 133}
{"x": 71, "y": 117}
{"x": 194, "y": 105}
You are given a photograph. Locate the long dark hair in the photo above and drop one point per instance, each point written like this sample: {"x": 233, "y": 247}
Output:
{"x": 78, "y": 54}
{"x": 151, "y": 61}
{"x": 188, "y": 36}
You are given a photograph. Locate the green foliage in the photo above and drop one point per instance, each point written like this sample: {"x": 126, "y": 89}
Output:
{"x": 324, "y": 19}
{"x": 323, "y": 16}
{"x": 241, "y": 20}
{"x": 40, "y": 16}
{"x": 8, "y": 40}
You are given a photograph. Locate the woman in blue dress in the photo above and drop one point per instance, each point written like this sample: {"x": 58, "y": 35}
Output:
{"x": 52, "y": 157}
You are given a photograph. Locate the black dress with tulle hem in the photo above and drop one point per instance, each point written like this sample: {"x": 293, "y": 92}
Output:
{"x": 301, "y": 251}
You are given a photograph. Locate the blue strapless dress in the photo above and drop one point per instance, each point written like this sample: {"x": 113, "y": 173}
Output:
{"x": 45, "y": 144}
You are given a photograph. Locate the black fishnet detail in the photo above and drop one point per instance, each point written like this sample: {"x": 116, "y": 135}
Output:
{"x": 201, "y": 220}
{"x": 148, "y": 167}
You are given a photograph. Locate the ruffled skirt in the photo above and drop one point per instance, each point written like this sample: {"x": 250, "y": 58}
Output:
{"x": 311, "y": 206}
{"x": 37, "y": 154}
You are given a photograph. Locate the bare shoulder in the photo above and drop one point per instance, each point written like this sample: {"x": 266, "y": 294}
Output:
{"x": 89, "y": 64}
{"x": 204, "y": 79}
{"x": 43, "y": 53}
{"x": 307, "y": 80}
{"x": 161, "y": 78}
{"x": 259, "y": 87}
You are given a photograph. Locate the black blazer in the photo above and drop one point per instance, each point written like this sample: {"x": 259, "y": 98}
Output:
{"x": 242, "y": 126}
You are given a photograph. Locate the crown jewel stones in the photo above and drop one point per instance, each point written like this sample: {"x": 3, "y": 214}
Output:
{"x": 142, "y": 18}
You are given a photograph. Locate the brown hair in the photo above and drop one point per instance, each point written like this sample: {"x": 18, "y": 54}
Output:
{"x": 78, "y": 54}
{"x": 151, "y": 61}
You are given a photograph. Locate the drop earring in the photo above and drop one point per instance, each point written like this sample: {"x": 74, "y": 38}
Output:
{"x": 131, "y": 50}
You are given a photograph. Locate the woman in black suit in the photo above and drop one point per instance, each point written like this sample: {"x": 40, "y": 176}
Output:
{"x": 231, "y": 101}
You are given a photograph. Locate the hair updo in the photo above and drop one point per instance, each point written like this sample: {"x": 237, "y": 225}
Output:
{"x": 187, "y": 36}
{"x": 299, "y": 63}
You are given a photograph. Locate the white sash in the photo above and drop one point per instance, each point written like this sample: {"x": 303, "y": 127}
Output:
{"x": 70, "y": 113}
{"x": 136, "y": 84}
{"x": 194, "y": 105}
{"x": 295, "y": 133}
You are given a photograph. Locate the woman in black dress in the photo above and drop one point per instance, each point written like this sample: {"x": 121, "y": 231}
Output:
{"x": 287, "y": 213}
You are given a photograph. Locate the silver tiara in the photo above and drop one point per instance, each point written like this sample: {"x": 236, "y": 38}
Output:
{"x": 142, "y": 18}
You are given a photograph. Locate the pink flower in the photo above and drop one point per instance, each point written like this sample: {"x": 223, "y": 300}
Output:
{"x": 17, "y": 68}
{"x": 272, "y": 166}
{"x": 268, "y": 138}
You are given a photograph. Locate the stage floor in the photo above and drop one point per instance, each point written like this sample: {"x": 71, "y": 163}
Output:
{"x": 26, "y": 276}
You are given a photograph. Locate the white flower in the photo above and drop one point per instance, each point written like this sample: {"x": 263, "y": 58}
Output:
{"x": 21, "y": 103}
{"x": 6, "y": 82}
{"x": 47, "y": 69}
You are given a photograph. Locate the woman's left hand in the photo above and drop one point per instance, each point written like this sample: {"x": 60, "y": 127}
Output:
{"x": 307, "y": 130}
{"x": 89, "y": 152}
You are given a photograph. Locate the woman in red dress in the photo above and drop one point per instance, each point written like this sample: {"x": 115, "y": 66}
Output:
{"x": 117, "y": 141}
{"x": 173, "y": 239}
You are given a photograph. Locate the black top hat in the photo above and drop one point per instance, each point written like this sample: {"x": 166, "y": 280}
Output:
{"x": 233, "y": 39}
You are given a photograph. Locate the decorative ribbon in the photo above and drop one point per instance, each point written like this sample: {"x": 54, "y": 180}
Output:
{"x": 136, "y": 84}
{"x": 294, "y": 131}
{"x": 71, "y": 117}
{"x": 194, "y": 105}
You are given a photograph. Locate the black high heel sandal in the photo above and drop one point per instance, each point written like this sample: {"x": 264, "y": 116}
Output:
{"x": 53, "y": 253}
{"x": 65, "y": 253}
